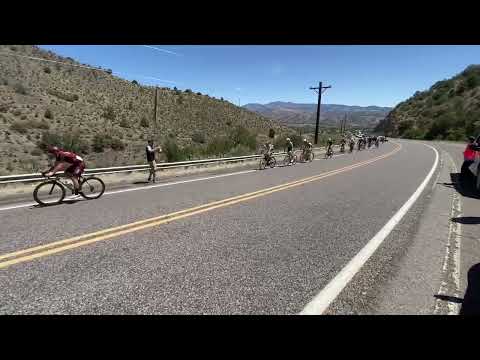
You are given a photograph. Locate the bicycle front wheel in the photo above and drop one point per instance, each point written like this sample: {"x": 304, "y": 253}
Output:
{"x": 49, "y": 192}
{"x": 286, "y": 160}
{"x": 92, "y": 188}
{"x": 311, "y": 156}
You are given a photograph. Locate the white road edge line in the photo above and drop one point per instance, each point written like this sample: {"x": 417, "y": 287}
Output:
{"x": 141, "y": 188}
{"x": 329, "y": 293}
{"x": 452, "y": 254}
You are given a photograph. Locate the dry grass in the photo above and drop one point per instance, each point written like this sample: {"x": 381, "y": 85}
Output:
{"x": 65, "y": 99}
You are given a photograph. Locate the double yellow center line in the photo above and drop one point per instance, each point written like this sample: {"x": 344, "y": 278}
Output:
{"x": 40, "y": 251}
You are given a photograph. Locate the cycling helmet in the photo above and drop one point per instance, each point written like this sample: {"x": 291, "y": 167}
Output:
{"x": 53, "y": 149}
{"x": 471, "y": 138}
{"x": 304, "y": 140}
{"x": 288, "y": 139}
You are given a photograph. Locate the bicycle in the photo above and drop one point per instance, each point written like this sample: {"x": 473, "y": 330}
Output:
{"x": 52, "y": 191}
{"x": 307, "y": 156}
{"x": 342, "y": 148}
{"x": 329, "y": 153}
{"x": 290, "y": 159}
{"x": 272, "y": 162}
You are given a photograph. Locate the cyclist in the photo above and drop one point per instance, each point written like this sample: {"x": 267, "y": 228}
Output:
{"x": 72, "y": 164}
{"x": 343, "y": 142}
{"x": 307, "y": 147}
{"x": 329, "y": 145}
{"x": 268, "y": 151}
{"x": 290, "y": 149}
{"x": 352, "y": 144}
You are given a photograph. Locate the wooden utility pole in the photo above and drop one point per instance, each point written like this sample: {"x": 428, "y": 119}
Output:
{"x": 155, "y": 114}
{"x": 320, "y": 89}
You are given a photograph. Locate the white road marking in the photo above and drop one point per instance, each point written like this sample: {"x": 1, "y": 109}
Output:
{"x": 23, "y": 205}
{"x": 451, "y": 262}
{"x": 328, "y": 294}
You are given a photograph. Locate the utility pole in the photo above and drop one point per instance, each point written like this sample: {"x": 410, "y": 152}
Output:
{"x": 155, "y": 114}
{"x": 320, "y": 89}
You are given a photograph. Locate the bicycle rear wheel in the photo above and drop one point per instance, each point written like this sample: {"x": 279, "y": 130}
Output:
{"x": 49, "y": 192}
{"x": 286, "y": 160}
{"x": 92, "y": 188}
{"x": 311, "y": 156}
{"x": 262, "y": 164}
{"x": 273, "y": 162}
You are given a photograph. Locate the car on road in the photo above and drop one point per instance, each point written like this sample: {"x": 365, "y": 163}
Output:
{"x": 470, "y": 172}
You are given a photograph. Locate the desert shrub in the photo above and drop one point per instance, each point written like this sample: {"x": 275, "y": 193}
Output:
{"x": 242, "y": 136}
{"x": 47, "y": 70}
{"x": 219, "y": 145}
{"x": 36, "y": 152}
{"x": 20, "y": 88}
{"x": 69, "y": 141}
{"x": 198, "y": 138}
{"x": 271, "y": 133}
{"x": 144, "y": 122}
{"x": 109, "y": 113}
{"x": 124, "y": 123}
{"x": 19, "y": 126}
{"x": 48, "y": 114}
{"x": 99, "y": 143}
{"x": 172, "y": 151}
{"x": 117, "y": 144}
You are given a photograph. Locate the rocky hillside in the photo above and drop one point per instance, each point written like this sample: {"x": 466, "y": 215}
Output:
{"x": 106, "y": 118}
{"x": 294, "y": 114}
{"x": 450, "y": 110}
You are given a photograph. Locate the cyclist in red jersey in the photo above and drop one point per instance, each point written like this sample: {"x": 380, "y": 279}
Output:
{"x": 71, "y": 163}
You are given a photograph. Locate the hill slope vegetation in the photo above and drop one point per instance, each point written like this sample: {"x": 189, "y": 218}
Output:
{"x": 108, "y": 119}
{"x": 449, "y": 110}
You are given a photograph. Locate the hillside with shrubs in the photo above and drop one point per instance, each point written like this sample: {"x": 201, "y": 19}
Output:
{"x": 449, "y": 110}
{"x": 108, "y": 119}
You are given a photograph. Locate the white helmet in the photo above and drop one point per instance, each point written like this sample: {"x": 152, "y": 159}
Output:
{"x": 288, "y": 139}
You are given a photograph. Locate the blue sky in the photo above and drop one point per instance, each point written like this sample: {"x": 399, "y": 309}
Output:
{"x": 359, "y": 74}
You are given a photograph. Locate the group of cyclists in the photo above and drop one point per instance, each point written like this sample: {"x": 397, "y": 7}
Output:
{"x": 363, "y": 142}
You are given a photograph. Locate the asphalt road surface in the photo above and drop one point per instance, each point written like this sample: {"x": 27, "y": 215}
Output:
{"x": 251, "y": 242}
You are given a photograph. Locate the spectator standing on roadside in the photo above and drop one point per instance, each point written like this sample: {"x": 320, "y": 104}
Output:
{"x": 150, "y": 150}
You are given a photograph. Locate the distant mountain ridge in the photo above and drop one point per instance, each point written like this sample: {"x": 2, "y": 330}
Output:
{"x": 291, "y": 113}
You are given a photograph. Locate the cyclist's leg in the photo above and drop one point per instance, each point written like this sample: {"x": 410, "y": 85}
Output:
{"x": 73, "y": 172}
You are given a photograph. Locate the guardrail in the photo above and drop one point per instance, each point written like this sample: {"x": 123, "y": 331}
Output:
{"x": 131, "y": 168}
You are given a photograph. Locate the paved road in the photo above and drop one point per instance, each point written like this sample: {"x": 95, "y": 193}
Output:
{"x": 268, "y": 252}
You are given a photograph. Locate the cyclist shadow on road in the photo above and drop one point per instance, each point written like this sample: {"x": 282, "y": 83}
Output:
{"x": 471, "y": 300}
{"x": 466, "y": 190}
{"x": 467, "y": 220}
{"x": 64, "y": 202}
